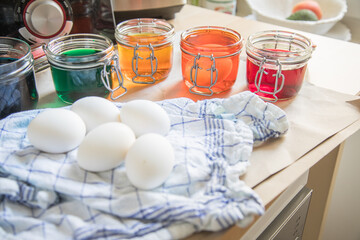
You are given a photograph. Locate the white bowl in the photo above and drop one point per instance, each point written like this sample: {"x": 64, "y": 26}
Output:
{"x": 276, "y": 12}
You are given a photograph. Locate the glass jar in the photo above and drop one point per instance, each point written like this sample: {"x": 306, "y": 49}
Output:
{"x": 276, "y": 63}
{"x": 210, "y": 59}
{"x": 145, "y": 48}
{"x": 17, "y": 78}
{"x": 84, "y": 65}
{"x": 224, "y": 6}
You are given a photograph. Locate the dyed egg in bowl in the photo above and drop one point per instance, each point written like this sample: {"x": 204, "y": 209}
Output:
{"x": 277, "y": 11}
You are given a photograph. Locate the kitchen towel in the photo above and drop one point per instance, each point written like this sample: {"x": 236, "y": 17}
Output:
{"x": 48, "y": 196}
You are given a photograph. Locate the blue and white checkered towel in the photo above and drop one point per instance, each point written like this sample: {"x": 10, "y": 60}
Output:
{"x": 48, "y": 196}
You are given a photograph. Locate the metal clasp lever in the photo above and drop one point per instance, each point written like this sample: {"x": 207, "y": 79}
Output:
{"x": 135, "y": 64}
{"x": 196, "y": 67}
{"x": 107, "y": 70}
{"x": 278, "y": 75}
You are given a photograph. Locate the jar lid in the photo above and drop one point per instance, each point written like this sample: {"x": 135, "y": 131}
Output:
{"x": 103, "y": 49}
{"x": 218, "y": 41}
{"x": 16, "y": 58}
{"x": 144, "y": 31}
{"x": 279, "y": 46}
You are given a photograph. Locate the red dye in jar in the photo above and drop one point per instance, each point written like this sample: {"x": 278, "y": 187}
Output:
{"x": 288, "y": 84}
{"x": 276, "y": 63}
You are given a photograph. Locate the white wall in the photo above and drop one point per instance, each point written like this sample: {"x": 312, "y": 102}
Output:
{"x": 242, "y": 8}
{"x": 343, "y": 220}
{"x": 353, "y": 8}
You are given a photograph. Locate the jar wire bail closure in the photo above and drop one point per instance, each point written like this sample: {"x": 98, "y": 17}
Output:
{"x": 212, "y": 70}
{"x": 278, "y": 75}
{"x": 135, "y": 64}
{"x": 107, "y": 82}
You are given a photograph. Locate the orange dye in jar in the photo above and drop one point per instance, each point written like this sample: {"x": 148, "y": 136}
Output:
{"x": 210, "y": 59}
{"x": 143, "y": 62}
{"x": 145, "y": 47}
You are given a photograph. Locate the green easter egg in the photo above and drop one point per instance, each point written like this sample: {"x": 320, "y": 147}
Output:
{"x": 303, "y": 15}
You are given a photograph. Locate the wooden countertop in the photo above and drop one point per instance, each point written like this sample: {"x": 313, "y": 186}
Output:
{"x": 332, "y": 66}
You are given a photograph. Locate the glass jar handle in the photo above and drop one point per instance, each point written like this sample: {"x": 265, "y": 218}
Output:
{"x": 212, "y": 70}
{"x": 105, "y": 77}
{"x": 278, "y": 77}
{"x": 135, "y": 66}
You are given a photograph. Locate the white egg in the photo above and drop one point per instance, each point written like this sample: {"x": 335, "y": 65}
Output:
{"x": 95, "y": 111}
{"x": 149, "y": 161}
{"x": 105, "y": 147}
{"x": 144, "y": 116}
{"x": 56, "y": 131}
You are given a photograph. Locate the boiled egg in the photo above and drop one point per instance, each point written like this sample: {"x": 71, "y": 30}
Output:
{"x": 95, "y": 111}
{"x": 149, "y": 161}
{"x": 144, "y": 116}
{"x": 105, "y": 147}
{"x": 56, "y": 131}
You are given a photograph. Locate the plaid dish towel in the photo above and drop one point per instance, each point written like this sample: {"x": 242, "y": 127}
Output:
{"x": 48, "y": 196}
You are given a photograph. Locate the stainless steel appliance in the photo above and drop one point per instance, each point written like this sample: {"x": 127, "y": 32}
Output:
{"x": 35, "y": 21}
{"x": 39, "y": 21}
{"x": 289, "y": 224}
{"x": 164, "y": 9}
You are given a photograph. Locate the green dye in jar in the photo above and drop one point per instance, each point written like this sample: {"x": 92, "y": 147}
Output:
{"x": 73, "y": 84}
{"x": 80, "y": 52}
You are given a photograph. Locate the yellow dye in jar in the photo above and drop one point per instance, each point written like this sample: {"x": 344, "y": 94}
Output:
{"x": 144, "y": 64}
{"x": 145, "y": 48}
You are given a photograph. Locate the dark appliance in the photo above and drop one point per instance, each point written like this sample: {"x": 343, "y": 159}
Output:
{"x": 36, "y": 21}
